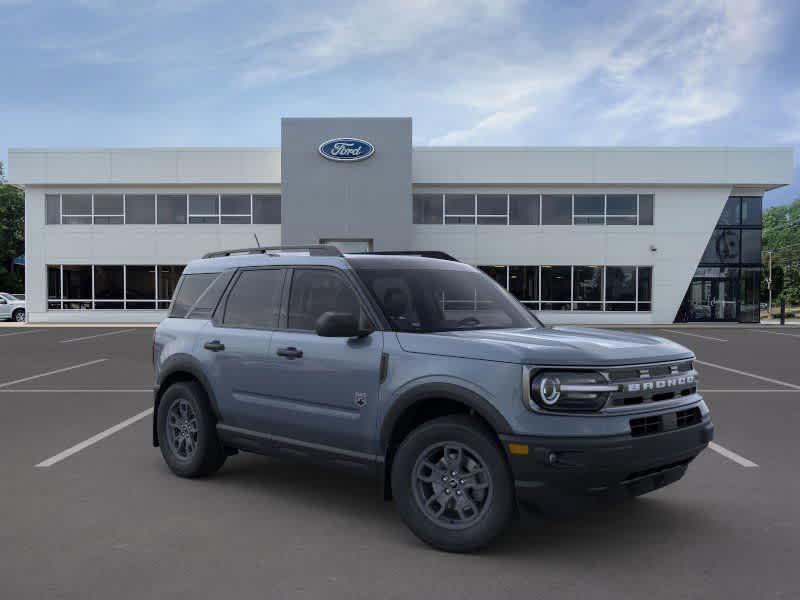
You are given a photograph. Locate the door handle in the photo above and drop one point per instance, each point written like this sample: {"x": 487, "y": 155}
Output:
{"x": 214, "y": 346}
{"x": 290, "y": 352}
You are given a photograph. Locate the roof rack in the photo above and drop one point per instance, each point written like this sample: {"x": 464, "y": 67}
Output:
{"x": 424, "y": 253}
{"x": 312, "y": 249}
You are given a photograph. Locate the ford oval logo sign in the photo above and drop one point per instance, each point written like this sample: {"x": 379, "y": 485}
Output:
{"x": 346, "y": 149}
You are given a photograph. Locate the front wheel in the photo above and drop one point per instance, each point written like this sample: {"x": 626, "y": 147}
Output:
{"x": 18, "y": 316}
{"x": 452, "y": 485}
{"x": 187, "y": 432}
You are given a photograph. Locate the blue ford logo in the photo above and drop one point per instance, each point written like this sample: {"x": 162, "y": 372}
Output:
{"x": 346, "y": 149}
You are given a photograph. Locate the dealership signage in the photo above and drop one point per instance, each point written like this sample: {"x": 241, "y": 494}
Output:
{"x": 346, "y": 149}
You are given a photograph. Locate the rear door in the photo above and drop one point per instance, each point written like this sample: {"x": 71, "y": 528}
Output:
{"x": 235, "y": 345}
{"x": 324, "y": 391}
{"x": 5, "y": 308}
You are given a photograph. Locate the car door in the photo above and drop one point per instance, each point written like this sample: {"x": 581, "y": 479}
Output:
{"x": 5, "y": 308}
{"x": 235, "y": 344}
{"x": 324, "y": 390}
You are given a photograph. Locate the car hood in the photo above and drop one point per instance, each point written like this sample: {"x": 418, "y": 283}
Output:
{"x": 568, "y": 346}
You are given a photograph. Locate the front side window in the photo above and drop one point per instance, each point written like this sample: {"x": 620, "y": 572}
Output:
{"x": 254, "y": 300}
{"x": 317, "y": 291}
{"x": 433, "y": 300}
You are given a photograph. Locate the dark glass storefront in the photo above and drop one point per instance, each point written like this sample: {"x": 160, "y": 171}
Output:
{"x": 726, "y": 284}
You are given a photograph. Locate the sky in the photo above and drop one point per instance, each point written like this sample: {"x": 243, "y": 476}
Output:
{"x": 108, "y": 73}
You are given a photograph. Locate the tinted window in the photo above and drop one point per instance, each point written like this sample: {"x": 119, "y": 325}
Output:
{"x": 203, "y": 208}
{"x": 53, "y": 282}
{"x": 266, "y": 209}
{"x": 235, "y": 208}
{"x": 751, "y": 245}
{"x": 190, "y": 289}
{"x": 492, "y": 209}
{"x": 171, "y": 209}
{"x": 462, "y": 205}
{"x": 168, "y": 277}
{"x": 77, "y": 282}
{"x": 53, "y": 207}
{"x": 140, "y": 209}
{"x": 76, "y": 209}
{"x": 428, "y": 209}
{"x": 108, "y": 282}
{"x": 316, "y": 291}
{"x": 620, "y": 285}
{"x": 496, "y": 272}
{"x": 587, "y": 284}
{"x": 140, "y": 282}
{"x": 645, "y": 285}
{"x": 523, "y": 282}
{"x": 556, "y": 284}
{"x": 108, "y": 209}
{"x": 723, "y": 247}
{"x": 751, "y": 211}
{"x": 523, "y": 209}
{"x": 589, "y": 209}
{"x": 557, "y": 209}
{"x": 731, "y": 213}
{"x": 254, "y": 301}
{"x": 646, "y": 208}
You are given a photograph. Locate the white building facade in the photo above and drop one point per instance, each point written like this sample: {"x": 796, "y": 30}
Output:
{"x": 581, "y": 235}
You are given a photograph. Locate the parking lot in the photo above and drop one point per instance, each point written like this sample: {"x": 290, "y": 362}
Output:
{"x": 89, "y": 510}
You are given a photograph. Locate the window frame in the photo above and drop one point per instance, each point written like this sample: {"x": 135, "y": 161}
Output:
{"x": 218, "y": 314}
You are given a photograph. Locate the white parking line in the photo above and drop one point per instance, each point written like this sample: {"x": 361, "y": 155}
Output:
{"x": 753, "y": 375}
{"x": 91, "y": 337}
{"x": 24, "y": 379}
{"x": 140, "y": 391}
{"x": 22, "y": 332}
{"x": 775, "y": 332}
{"x": 697, "y": 335}
{"x": 740, "y": 460}
{"x": 94, "y": 439}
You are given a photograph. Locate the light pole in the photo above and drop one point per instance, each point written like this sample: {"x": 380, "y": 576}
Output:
{"x": 769, "y": 285}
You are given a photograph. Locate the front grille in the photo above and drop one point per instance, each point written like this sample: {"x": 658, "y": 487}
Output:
{"x": 646, "y": 377}
{"x": 667, "y": 422}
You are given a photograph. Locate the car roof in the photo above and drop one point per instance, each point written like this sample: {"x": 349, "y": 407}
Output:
{"x": 348, "y": 261}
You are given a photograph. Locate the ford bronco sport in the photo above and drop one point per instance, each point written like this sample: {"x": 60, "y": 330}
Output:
{"x": 424, "y": 372}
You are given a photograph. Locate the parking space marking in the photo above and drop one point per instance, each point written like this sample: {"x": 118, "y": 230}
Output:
{"x": 753, "y": 375}
{"x": 91, "y": 337}
{"x": 697, "y": 335}
{"x": 94, "y": 439}
{"x": 738, "y": 459}
{"x": 22, "y": 332}
{"x": 55, "y": 372}
{"x": 46, "y": 391}
{"x": 794, "y": 335}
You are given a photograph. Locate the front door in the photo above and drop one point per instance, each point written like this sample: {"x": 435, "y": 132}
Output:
{"x": 324, "y": 390}
{"x": 711, "y": 300}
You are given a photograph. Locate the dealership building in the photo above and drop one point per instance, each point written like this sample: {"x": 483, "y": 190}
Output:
{"x": 580, "y": 235}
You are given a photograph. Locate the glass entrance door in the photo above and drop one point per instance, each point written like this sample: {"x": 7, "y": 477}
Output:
{"x": 711, "y": 300}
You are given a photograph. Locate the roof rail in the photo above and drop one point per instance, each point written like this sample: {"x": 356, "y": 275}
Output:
{"x": 424, "y": 253}
{"x": 312, "y": 249}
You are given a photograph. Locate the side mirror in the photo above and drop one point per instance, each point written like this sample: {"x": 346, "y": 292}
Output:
{"x": 339, "y": 324}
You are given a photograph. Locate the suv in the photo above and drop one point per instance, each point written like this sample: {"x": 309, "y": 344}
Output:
{"x": 12, "y": 308}
{"x": 423, "y": 372}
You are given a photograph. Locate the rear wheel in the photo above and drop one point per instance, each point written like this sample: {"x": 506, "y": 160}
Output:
{"x": 19, "y": 315}
{"x": 452, "y": 485}
{"x": 187, "y": 432}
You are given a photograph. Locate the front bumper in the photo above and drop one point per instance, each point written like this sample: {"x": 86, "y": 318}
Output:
{"x": 609, "y": 467}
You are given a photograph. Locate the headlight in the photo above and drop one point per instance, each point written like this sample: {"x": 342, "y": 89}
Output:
{"x": 570, "y": 390}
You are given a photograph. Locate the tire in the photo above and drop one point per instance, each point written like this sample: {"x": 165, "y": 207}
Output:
{"x": 479, "y": 504}
{"x": 18, "y": 316}
{"x": 190, "y": 447}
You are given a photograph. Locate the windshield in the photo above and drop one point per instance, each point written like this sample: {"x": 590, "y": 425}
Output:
{"x": 429, "y": 300}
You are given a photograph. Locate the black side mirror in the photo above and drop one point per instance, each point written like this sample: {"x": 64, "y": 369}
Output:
{"x": 339, "y": 324}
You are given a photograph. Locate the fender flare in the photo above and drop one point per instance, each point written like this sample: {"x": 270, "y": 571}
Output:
{"x": 448, "y": 391}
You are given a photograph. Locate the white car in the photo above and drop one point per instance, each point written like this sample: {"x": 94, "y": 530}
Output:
{"x": 12, "y": 308}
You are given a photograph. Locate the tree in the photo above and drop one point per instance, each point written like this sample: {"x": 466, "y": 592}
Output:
{"x": 12, "y": 235}
{"x": 781, "y": 234}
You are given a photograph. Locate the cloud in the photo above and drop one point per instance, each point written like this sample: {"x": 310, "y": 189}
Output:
{"x": 496, "y": 122}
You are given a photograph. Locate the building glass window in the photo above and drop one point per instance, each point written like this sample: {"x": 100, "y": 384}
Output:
{"x": 171, "y": 209}
{"x": 428, "y": 209}
{"x": 589, "y": 209}
{"x": 459, "y": 209}
{"x": 76, "y": 209}
{"x": 109, "y": 209}
{"x": 749, "y": 295}
{"x": 731, "y": 213}
{"x": 266, "y": 209}
{"x": 109, "y": 287}
{"x": 140, "y": 209}
{"x": 497, "y": 272}
{"x": 644, "y": 292}
{"x": 523, "y": 209}
{"x": 523, "y": 282}
{"x": 235, "y": 209}
{"x": 646, "y": 209}
{"x": 53, "y": 287}
{"x": 620, "y": 288}
{"x": 557, "y": 209}
{"x": 751, "y": 211}
{"x": 77, "y": 286}
{"x": 587, "y": 288}
{"x": 204, "y": 208}
{"x": 723, "y": 247}
{"x": 492, "y": 209}
{"x": 621, "y": 209}
{"x": 168, "y": 277}
{"x": 556, "y": 287}
{"x": 53, "y": 209}
{"x": 751, "y": 246}
{"x": 140, "y": 286}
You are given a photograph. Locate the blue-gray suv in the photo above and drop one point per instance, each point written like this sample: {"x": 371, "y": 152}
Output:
{"x": 423, "y": 372}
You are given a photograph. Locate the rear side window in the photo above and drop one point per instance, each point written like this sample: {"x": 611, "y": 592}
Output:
{"x": 255, "y": 300}
{"x": 190, "y": 289}
{"x": 316, "y": 291}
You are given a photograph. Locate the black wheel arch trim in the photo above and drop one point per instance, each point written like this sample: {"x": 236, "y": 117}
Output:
{"x": 447, "y": 391}
{"x": 181, "y": 363}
